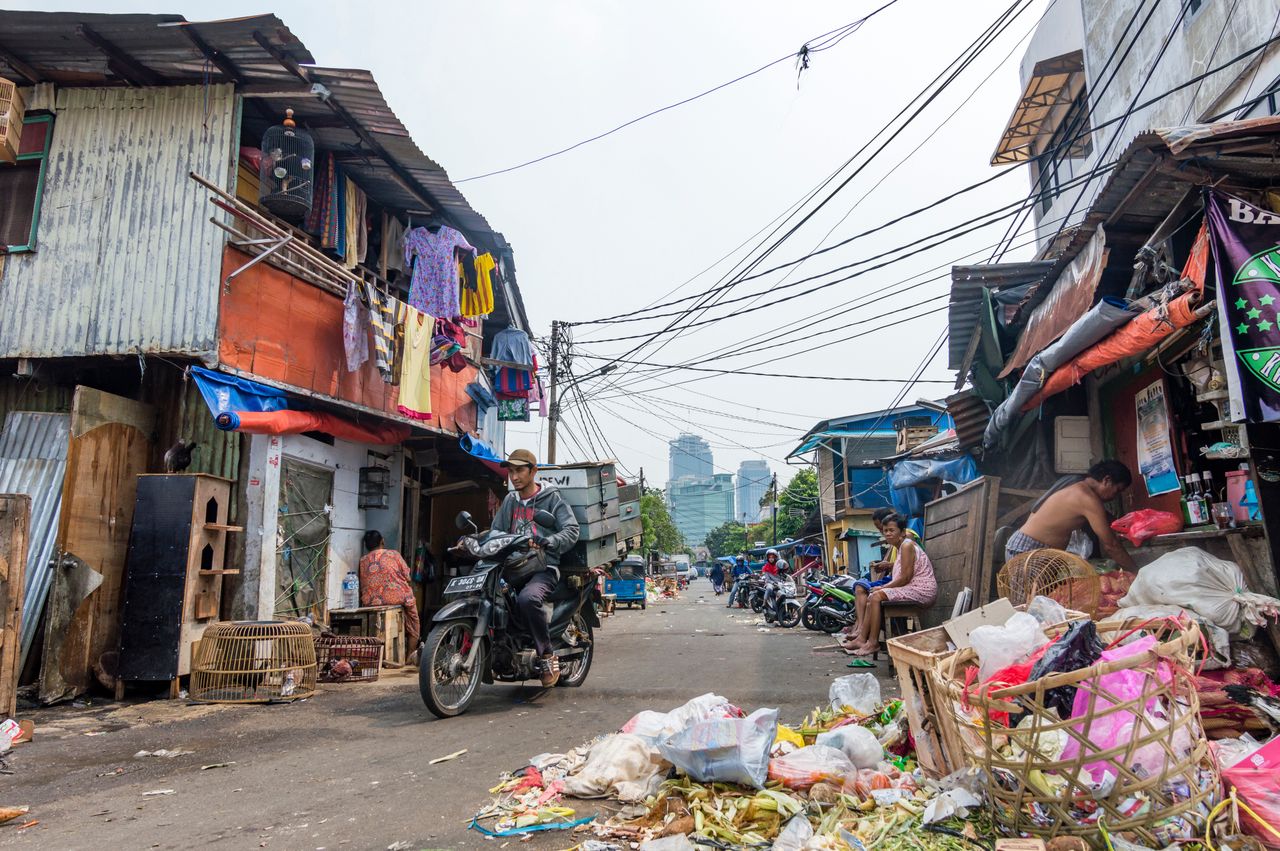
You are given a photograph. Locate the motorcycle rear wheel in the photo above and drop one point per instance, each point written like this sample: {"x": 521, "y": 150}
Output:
{"x": 447, "y": 690}
{"x": 573, "y": 672}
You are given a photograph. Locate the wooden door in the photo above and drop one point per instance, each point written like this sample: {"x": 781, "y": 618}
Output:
{"x": 110, "y": 445}
{"x": 15, "y": 521}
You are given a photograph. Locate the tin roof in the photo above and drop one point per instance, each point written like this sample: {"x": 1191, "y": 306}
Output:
{"x": 965, "y": 309}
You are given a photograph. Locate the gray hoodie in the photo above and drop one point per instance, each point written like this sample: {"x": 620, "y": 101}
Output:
{"x": 515, "y": 515}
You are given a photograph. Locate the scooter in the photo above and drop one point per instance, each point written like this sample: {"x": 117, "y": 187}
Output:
{"x": 832, "y": 605}
{"x": 478, "y": 636}
{"x": 781, "y": 604}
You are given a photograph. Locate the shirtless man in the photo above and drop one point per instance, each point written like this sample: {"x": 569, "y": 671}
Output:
{"x": 1062, "y": 512}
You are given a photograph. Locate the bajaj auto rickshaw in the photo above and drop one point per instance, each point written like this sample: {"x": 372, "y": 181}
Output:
{"x": 626, "y": 582}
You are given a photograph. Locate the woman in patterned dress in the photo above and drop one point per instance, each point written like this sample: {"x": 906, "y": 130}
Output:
{"x": 913, "y": 582}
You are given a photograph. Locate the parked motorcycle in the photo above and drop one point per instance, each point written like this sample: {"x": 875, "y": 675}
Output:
{"x": 831, "y": 605}
{"x": 479, "y": 636}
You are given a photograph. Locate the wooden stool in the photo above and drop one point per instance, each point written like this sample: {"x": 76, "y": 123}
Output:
{"x": 908, "y": 616}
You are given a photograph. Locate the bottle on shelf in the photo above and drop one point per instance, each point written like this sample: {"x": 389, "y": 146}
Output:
{"x": 1197, "y": 515}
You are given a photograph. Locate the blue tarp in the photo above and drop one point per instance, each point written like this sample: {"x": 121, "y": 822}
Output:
{"x": 477, "y": 448}
{"x": 906, "y": 476}
{"x": 227, "y": 394}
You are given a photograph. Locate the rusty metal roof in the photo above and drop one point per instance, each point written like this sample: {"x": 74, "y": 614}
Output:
{"x": 970, "y": 413}
{"x": 965, "y": 310}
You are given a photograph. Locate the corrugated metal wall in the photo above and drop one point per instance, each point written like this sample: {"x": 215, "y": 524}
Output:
{"x": 126, "y": 258}
{"x": 33, "y": 459}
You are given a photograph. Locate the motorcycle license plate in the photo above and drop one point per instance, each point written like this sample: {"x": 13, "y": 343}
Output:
{"x": 465, "y": 584}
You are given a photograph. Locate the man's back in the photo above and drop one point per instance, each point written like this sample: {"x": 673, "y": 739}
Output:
{"x": 1061, "y": 514}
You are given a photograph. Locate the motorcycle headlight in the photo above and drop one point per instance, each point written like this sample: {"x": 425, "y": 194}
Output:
{"x": 471, "y": 545}
{"x": 492, "y": 547}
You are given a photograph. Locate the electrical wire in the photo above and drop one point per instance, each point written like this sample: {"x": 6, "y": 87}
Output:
{"x": 826, "y": 41}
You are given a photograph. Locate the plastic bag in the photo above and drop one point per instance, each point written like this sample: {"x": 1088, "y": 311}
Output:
{"x": 1209, "y": 586}
{"x": 1144, "y": 524}
{"x": 1219, "y": 642}
{"x": 859, "y": 744}
{"x": 1001, "y": 646}
{"x": 623, "y": 766}
{"x": 728, "y": 750}
{"x": 814, "y": 764}
{"x": 795, "y": 835}
{"x": 859, "y": 692}
{"x": 1256, "y": 779}
{"x": 1047, "y": 611}
{"x": 676, "y": 842}
{"x": 1077, "y": 648}
{"x": 658, "y": 725}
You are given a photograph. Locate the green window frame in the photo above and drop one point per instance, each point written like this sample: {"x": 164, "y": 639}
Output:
{"x": 42, "y": 156}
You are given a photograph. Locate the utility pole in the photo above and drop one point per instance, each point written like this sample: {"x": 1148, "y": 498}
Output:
{"x": 553, "y": 413}
{"x": 775, "y": 509}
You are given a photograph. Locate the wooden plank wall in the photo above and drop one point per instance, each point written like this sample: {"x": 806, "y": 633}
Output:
{"x": 15, "y": 520}
{"x": 957, "y": 532}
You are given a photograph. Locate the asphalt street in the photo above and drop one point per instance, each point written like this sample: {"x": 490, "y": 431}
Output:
{"x": 349, "y": 768}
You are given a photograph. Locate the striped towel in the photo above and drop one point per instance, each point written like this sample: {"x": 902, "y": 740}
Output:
{"x": 385, "y": 313}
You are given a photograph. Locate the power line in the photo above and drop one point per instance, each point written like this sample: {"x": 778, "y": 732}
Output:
{"x": 826, "y": 41}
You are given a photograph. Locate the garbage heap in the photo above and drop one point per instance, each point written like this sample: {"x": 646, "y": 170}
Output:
{"x": 709, "y": 774}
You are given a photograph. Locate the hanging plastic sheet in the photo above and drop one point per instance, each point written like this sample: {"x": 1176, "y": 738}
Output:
{"x": 300, "y": 422}
{"x": 906, "y": 476}
{"x": 1138, "y": 336}
{"x": 1103, "y": 318}
{"x": 482, "y": 452}
{"x": 227, "y": 393}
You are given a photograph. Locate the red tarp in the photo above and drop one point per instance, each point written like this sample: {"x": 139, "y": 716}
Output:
{"x": 297, "y": 422}
{"x": 1141, "y": 334}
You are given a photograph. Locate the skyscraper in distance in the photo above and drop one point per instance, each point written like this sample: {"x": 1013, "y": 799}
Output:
{"x": 690, "y": 457}
{"x": 753, "y": 481}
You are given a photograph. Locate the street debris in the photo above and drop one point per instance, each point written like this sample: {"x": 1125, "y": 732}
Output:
{"x": 8, "y": 814}
{"x": 216, "y": 765}
{"x": 162, "y": 753}
{"x": 447, "y": 757}
{"x": 155, "y": 793}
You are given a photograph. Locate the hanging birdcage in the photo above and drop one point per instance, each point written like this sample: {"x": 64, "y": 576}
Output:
{"x": 287, "y": 173}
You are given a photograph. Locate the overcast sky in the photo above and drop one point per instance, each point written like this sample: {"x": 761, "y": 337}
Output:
{"x": 618, "y": 224}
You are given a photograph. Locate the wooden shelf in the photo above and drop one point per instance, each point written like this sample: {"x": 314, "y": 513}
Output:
{"x": 223, "y": 527}
{"x": 218, "y": 573}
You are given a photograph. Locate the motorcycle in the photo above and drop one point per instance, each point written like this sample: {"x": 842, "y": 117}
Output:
{"x": 781, "y": 604}
{"x": 756, "y": 593}
{"x": 478, "y": 636}
{"x": 831, "y": 605}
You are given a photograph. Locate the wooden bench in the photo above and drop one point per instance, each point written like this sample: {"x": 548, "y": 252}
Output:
{"x": 898, "y": 619}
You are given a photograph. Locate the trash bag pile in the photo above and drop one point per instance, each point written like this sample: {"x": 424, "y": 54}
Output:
{"x": 709, "y": 774}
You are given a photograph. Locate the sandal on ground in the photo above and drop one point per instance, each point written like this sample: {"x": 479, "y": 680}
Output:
{"x": 550, "y": 671}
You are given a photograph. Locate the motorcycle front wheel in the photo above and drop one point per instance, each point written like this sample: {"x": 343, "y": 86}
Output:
{"x": 789, "y": 613}
{"x": 757, "y": 604}
{"x": 446, "y": 689}
{"x": 828, "y": 624}
{"x": 809, "y": 618}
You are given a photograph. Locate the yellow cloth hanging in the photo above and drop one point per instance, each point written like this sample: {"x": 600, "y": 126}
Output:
{"x": 479, "y": 301}
{"x": 415, "y": 366}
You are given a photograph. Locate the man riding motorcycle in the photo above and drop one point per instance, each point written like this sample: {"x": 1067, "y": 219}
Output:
{"x": 737, "y": 590}
{"x": 516, "y": 515}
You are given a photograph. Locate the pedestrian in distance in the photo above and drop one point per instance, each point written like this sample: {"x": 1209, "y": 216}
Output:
{"x": 717, "y": 578}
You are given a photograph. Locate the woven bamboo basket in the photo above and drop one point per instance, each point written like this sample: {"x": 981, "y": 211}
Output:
{"x": 254, "y": 662}
{"x": 1164, "y": 782}
{"x": 1056, "y": 574}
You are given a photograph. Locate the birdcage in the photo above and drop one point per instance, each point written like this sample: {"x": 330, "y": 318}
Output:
{"x": 11, "y": 110}
{"x": 254, "y": 662}
{"x": 286, "y": 174}
{"x": 1056, "y": 574}
{"x": 348, "y": 658}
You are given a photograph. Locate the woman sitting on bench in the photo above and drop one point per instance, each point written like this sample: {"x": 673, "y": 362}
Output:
{"x": 913, "y": 583}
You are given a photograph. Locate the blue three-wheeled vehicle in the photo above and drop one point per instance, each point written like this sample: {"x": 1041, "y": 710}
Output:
{"x": 626, "y": 582}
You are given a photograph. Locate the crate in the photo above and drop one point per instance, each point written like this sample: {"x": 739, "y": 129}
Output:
{"x": 916, "y": 660}
{"x": 11, "y": 110}
{"x": 364, "y": 654}
{"x": 385, "y": 623}
{"x": 912, "y": 436}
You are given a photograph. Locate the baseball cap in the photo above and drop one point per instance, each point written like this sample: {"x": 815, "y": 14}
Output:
{"x": 521, "y": 458}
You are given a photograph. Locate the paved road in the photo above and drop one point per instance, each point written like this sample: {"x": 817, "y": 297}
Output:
{"x": 348, "y": 768}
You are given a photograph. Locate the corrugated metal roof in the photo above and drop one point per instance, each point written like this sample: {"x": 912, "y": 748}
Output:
{"x": 56, "y": 48}
{"x": 33, "y": 459}
{"x": 127, "y": 258}
{"x": 965, "y": 310}
{"x": 970, "y": 413}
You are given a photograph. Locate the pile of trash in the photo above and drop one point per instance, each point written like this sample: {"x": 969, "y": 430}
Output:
{"x": 707, "y": 773}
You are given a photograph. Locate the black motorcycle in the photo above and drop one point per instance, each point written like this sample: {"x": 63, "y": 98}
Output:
{"x": 479, "y": 636}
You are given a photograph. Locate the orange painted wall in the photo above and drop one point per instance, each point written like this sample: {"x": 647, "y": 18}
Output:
{"x": 283, "y": 329}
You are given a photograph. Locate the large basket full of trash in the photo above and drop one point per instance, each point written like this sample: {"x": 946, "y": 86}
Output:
{"x": 254, "y": 662}
{"x": 1097, "y": 733}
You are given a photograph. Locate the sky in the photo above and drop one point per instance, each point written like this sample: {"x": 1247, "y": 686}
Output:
{"x": 633, "y": 219}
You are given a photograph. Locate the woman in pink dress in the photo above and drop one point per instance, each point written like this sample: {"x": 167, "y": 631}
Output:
{"x": 913, "y": 582}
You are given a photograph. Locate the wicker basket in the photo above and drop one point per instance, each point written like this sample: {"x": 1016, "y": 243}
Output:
{"x": 362, "y": 656}
{"x": 1164, "y": 783}
{"x": 254, "y": 662}
{"x": 1056, "y": 574}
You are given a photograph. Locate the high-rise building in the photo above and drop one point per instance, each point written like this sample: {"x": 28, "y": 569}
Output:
{"x": 753, "y": 481}
{"x": 690, "y": 457}
{"x": 700, "y": 505}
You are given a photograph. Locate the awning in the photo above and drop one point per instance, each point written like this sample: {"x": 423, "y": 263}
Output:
{"x": 966, "y": 310}
{"x": 850, "y": 534}
{"x": 813, "y": 441}
{"x": 226, "y": 393}
{"x": 1054, "y": 84}
{"x": 482, "y": 452}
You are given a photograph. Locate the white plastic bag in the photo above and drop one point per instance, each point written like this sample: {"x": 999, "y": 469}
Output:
{"x": 794, "y": 836}
{"x": 999, "y": 647}
{"x": 1207, "y": 585}
{"x": 678, "y": 842}
{"x": 1047, "y": 610}
{"x": 623, "y": 766}
{"x": 809, "y": 765}
{"x": 658, "y": 725}
{"x": 728, "y": 750}
{"x": 859, "y": 692}
{"x": 859, "y": 744}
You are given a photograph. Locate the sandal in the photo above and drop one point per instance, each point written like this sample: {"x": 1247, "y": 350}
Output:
{"x": 550, "y": 671}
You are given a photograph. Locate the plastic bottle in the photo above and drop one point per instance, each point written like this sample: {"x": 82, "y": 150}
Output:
{"x": 351, "y": 590}
{"x": 1195, "y": 502}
